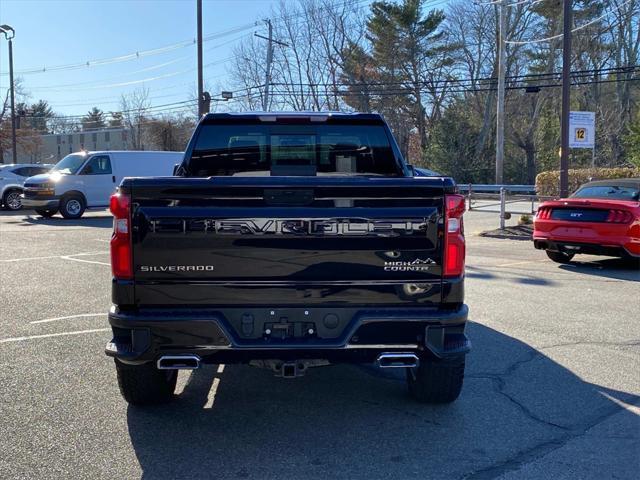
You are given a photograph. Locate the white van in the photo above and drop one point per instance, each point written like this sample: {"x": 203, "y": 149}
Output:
{"x": 88, "y": 179}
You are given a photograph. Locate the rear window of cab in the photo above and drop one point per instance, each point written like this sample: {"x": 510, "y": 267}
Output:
{"x": 259, "y": 149}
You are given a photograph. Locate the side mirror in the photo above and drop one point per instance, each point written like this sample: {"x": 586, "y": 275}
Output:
{"x": 176, "y": 169}
{"x": 412, "y": 169}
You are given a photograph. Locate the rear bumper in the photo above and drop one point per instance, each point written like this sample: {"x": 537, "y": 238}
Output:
{"x": 589, "y": 238}
{"x": 605, "y": 247}
{"x": 221, "y": 336}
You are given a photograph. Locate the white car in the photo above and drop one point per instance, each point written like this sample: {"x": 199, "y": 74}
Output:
{"x": 12, "y": 178}
{"x": 88, "y": 179}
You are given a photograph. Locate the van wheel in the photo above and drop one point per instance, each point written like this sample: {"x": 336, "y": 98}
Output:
{"x": 46, "y": 213}
{"x": 72, "y": 206}
{"x": 436, "y": 381}
{"x": 11, "y": 200}
{"x": 559, "y": 257}
{"x": 145, "y": 384}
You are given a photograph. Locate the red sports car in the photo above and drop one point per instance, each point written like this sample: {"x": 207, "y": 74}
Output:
{"x": 600, "y": 218}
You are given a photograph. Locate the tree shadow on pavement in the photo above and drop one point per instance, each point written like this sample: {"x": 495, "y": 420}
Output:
{"x": 348, "y": 422}
{"x": 616, "y": 268}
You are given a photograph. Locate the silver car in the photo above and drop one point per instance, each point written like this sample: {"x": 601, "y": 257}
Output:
{"x": 12, "y": 179}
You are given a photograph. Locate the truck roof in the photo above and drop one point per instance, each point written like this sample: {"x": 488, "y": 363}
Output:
{"x": 301, "y": 116}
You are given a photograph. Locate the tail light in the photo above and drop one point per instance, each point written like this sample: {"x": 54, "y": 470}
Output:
{"x": 454, "y": 246}
{"x": 121, "y": 257}
{"x": 619, "y": 216}
{"x": 544, "y": 213}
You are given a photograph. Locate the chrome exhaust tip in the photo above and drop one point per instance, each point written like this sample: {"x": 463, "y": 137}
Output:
{"x": 397, "y": 360}
{"x": 178, "y": 362}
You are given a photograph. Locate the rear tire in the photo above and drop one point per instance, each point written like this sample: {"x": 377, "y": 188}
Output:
{"x": 11, "y": 200}
{"x": 631, "y": 261}
{"x": 145, "y": 384}
{"x": 72, "y": 206}
{"x": 46, "y": 213}
{"x": 559, "y": 257}
{"x": 436, "y": 381}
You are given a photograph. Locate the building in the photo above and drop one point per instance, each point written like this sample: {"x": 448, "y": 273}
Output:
{"x": 52, "y": 147}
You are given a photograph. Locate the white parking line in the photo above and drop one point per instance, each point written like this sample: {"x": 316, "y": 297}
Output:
{"x": 525, "y": 262}
{"x": 70, "y": 257}
{"x": 64, "y": 257}
{"x": 29, "y": 258}
{"x": 47, "y": 320}
{"x": 212, "y": 393}
{"x": 49, "y": 335}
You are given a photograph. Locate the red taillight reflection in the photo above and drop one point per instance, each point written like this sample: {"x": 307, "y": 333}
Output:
{"x": 454, "y": 245}
{"x": 121, "y": 258}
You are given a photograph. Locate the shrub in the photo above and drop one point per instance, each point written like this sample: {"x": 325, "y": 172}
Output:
{"x": 548, "y": 183}
{"x": 525, "y": 220}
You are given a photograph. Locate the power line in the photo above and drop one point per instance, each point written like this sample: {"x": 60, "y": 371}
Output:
{"x": 453, "y": 86}
{"x": 146, "y": 69}
{"x": 514, "y": 4}
{"x": 132, "y": 82}
{"x": 132, "y": 56}
{"x": 560, "y": 35}
{"x": 408, "y": 91}
{"x": 464, "y": 81}
{"x": 105, "y": 99}
{"x": 159, "y": 50}
{"x": 149, "y": 109}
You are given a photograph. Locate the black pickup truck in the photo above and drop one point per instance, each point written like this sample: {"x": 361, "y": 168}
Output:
{"x": 288, "y": 241}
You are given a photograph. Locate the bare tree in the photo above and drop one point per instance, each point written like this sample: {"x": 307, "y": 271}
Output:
{"x": 307, "y": 72}
{"x": 134, "y": 108}
{"x": 27, "y": 139}
{"x": 169, "y": 133}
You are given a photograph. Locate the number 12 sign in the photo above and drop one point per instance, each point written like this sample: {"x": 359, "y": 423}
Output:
{"x": 582, "y": 129}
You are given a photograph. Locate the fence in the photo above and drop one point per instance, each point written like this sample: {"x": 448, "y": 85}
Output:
{"x": 500, "y": 197}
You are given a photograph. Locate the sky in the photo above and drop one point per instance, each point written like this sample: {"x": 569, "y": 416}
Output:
{"x": 51, "y": 33}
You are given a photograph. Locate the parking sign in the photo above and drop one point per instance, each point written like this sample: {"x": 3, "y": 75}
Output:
{"x": 582, "y": 129}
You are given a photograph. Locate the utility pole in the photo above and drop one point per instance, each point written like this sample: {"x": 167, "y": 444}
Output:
{"x": 566, "y": 98}
{"x": 14, "y": 151}
{"x": 201, "y": 109}
{"x": 501, "y": 87}
{"x": 267, "y": 80}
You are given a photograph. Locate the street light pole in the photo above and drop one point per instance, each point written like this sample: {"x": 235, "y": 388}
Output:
{"x": 6, "y": 29}
{"x": 566, "y": 98}
{"x": 267, "y": 80}
{"x": 500, "y": 103}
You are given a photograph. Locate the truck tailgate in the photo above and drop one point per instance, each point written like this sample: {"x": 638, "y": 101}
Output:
{"x": 294, "y": 241}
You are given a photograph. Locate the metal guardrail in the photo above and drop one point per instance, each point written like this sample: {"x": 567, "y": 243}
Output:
{"x": 487, "y": 188}
{"x": 503, "y": 195}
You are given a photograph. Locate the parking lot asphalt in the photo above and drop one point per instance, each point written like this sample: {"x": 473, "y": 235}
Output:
{"x": 552, "y": 387}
